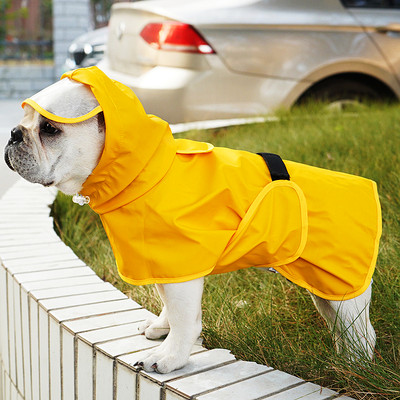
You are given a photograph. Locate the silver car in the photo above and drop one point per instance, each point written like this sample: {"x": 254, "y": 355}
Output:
{"x": 193, "y": 60}
{"x": 87, "y": 49}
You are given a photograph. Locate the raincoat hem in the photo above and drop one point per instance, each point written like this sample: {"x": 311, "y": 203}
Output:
{"x": 367, "y": 281}
{"x": 336, "y": 297}
{"x": 150, "y": 281}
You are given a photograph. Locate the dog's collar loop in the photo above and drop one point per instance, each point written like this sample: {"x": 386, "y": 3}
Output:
{"x": 81, "y": 200}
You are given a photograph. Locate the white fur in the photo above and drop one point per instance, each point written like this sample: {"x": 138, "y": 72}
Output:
{"x": 65, "y": 160}
{"x": 181, "y": 316}
{"x": 350, "y": 323}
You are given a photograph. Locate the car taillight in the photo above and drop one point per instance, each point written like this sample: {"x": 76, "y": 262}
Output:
{"x": 175, "y": 36}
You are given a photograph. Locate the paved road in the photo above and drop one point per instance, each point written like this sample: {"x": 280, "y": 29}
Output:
{"x": 10, "y": 114}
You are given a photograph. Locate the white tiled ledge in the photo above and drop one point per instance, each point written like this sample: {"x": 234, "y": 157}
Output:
{"x": 66, "y": 334}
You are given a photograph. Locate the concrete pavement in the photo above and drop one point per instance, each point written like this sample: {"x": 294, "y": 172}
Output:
{"x": 10, "y": 114}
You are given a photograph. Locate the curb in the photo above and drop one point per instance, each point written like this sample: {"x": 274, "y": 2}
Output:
{"x": 66, "y": 334}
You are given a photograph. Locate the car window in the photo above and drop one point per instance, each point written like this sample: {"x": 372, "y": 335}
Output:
{"x": 371, "y": 3}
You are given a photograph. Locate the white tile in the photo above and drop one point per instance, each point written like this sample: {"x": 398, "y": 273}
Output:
{"x": 197, "y": 362}
{"x": 84, "y": 370}
{"x": 126, "y": 383}
{"x": 35, "y": 205}
{"x": 111, "y": 333}
{"x": 217, "y": 377}
{"x": 29, "y": 251}
{"x": 46, "y": 266}
{"x": 26, "y": 226}
{"x": 104, "y": 376}
{"x": 93, "y": 309}
{"x": 11, "y": 328}
{"x": 10, "y": 219}
{"x": 16, "y": 231}
{"x": 26, "y": 347}
{"x": 55, "y": 359}
{"x": 8, "y": 206}
{"x": 9, "y": 210}
{"x": 7, "y": 387}
{"x": 175, "y": 396}
{"x": 54, "y": 274}
{"x": 14, "y": 393}
{"x": 113, "y": 319}
{"x": 34, "y": 345}
{"x": 18, "y": 339}
{"x": 127, "y": 345}
{"x": 1, "y": 379}
{"x": 44, "y": 354}
{"x": 60, "y": 283}
{"x": 148, "y": 389}
{"x": 254, "y": 388}
{"x": 68, "y": 365}
{"x": 4, "y": 322}
{"x": 306, "y": 391}
{"x": 8, "y": 241}
{"x": 51, "y": 293}
{"x": 77, "y": 300}
{"x": 37, "y": 260}
{"x": 22, "y": 208}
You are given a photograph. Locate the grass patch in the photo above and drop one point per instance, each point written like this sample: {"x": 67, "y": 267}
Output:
{"x": 262, "y": 317}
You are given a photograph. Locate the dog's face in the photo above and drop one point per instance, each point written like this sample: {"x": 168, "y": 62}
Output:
{"x": 57, "y": 154}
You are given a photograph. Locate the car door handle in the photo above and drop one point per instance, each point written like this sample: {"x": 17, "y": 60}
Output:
{"x": 394, "y": 27}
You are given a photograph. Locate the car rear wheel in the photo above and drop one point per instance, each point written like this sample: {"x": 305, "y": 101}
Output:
{"x": 342, "y": 93}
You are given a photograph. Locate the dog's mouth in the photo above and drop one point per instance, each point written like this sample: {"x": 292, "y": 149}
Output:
{"x": 48, "y": 184}
{"x": 26, "y": 173}
{"x": 7, "y": 159}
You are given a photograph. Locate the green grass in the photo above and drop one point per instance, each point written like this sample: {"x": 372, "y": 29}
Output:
{"x": 262, "y": 317}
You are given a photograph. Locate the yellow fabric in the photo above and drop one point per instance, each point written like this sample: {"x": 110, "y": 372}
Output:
{"x": 175, "y": 210}
{"x": 58, "y": 118}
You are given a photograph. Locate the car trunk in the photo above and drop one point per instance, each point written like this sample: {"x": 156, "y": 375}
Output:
{"x": 250, "y": 37}
{"x": 128, "y": 52}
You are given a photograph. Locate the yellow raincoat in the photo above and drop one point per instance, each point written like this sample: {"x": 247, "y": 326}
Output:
{"x": 176, "y": 210}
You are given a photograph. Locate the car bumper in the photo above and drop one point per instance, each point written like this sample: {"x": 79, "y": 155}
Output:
{"x": 184, "y": 95}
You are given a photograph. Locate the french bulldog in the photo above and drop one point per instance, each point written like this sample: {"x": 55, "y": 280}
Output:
{"x": 64, "y": 155}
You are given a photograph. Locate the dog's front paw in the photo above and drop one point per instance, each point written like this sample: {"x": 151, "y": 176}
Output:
{"x": 164, "y": 359}
{"x": 155, "y": 328}
{"x": 163, "y": 362}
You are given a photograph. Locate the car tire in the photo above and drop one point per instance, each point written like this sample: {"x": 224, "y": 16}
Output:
{"x": 342, "y": 91}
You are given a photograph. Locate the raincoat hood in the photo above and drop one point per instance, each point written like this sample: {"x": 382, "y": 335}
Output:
{"x": 65, "y": 101}
{"x": 133, "y": 138}
{"x": 176, "y": 210}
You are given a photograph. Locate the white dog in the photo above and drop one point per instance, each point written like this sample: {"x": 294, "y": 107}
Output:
{"x": 65, "y": 140}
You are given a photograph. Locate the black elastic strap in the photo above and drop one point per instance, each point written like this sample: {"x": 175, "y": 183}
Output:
{"x": 276, "y": 166}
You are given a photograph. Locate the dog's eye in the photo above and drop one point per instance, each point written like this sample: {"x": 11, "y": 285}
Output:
{"x": 49, "y": 129}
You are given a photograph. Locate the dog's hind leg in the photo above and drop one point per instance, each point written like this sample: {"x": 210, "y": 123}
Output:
{"x": 156, "y": 328}
{"x": 349, "y": 320}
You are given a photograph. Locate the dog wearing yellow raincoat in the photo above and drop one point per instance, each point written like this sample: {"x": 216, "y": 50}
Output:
{"x": 177, "y": 210}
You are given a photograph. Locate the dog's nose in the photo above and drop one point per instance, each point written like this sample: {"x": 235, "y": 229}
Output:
{"x": 16, "y": 135}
